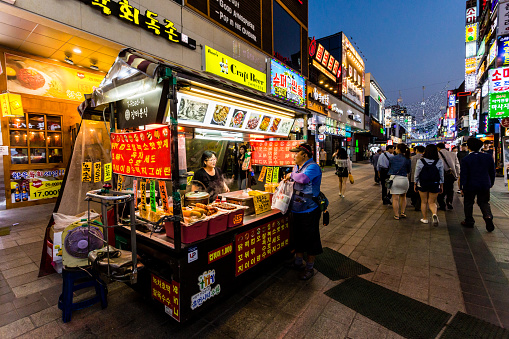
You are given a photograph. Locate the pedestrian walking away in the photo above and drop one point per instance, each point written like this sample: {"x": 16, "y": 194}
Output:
{"x": 414, "y": 195}
{"x": 451, "y": 172}
{"x": 343, "y": 168}
{"x": 461, "y": 154}
{"x": 383, "y": 170}
{"x": 399, "y": 167}
{"x": 429, "y": 182}
{"x": 307, "y": 176}
{"x": 374, "y": 162}
{"x": 323, "y": 158}
{"x": 477, "y": 178}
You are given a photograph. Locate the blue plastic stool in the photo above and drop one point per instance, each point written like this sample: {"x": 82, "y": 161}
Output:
{"x": 70, "y": 275}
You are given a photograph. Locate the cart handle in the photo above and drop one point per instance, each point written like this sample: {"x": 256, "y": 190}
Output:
{"x": 94, "y": 194}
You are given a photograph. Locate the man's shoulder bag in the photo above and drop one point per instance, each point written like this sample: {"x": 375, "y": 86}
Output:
{"x": 449, "y": 174}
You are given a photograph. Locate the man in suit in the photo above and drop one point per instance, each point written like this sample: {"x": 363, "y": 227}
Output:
{"x": 451, "y": 173}
{"x": 477, "y": 177}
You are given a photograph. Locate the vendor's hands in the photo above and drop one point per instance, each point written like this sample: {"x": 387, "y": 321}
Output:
{"x": 226, "y": 188}
{"x": 288, "y": 177}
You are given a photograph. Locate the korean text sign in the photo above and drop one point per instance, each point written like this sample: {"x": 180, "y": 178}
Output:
{"x": 274, "y": 153}
{"x": 499, "y": 105}
{"x": 499, "y": 80}
{"x": 287, "y": 84}
{"x": 167, "y": 294}
{"x": 503, "y": 51}
{"x": 258, "y": 244}
{"x": 142, "y": 154}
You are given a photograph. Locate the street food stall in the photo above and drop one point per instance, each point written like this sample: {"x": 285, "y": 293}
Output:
{"x": 193, "y": 251}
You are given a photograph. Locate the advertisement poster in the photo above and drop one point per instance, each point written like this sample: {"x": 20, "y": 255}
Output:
{"x": 256, "y": 245}
{"x": 142, "y": 154}
{"x": 32, "y": 185}
{"x": 287, "y": 84}
{"x": 499, "y": 80}
{"x": 499, "y": 105}
{"x": 36, "y": 77}
{"x": 505, "y": 143}
{"x": 503, "y": 51}
{"x": 274, "y": 153}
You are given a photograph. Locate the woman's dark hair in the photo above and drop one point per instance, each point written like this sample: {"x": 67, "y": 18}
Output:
{"x": 431, "y": 152}
{"x": 244, "y": 147}
{"x": 342, "y": 154}
{"x": 403, "y": 148}
{"x": 206, "y": 156}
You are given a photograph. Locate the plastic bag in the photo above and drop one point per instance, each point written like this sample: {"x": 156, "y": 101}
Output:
{"x": 64, "y": 220}
{"x": 283, "y": 196}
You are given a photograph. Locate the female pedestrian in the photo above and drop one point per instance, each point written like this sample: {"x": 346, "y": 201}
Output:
{"x": 343, "y": 168}
{"x": 399, "y": 167}
{"x": 429, "y": 181}
{"x": 242, "y": 174}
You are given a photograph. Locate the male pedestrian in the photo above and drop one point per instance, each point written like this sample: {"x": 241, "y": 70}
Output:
{"x": 488, "y": 148}
{"x": 451, "y": 173}
{"x": 415, "y": 196}
{"x": 307, "y": 177}
{"x": 461, "y": 154}
{"x": 383, "y": 170}
{"x": 323, "y": 158}
{"x": 375, "y": 163}
{"x": 477, "y": 177}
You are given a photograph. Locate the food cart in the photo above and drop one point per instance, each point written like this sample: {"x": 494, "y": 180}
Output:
{"x": 203, "y": 252}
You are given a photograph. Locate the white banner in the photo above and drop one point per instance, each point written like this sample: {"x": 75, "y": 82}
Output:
{"x": 503, "y": 18}
{"x": 470, "y": 82}
{"x": 498, "y": 80}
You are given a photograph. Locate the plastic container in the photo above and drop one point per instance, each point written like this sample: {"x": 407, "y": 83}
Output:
{"x": 236, "y": 218}
{"x": 189, "y": 234}
{"x": 218, "y": 224}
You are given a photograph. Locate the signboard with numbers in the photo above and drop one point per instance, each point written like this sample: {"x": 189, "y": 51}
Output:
{"x": 142, "y": 154}
{"x": 274, "y": 153}
{"x": 168, "y": 294}
{"x": 143, "y": 109}
{"x": 259, "y": 243}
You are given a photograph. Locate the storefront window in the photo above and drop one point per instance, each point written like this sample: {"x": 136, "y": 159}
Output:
{"x": 287, "y": 42}
{"x": 19, "y": 155}
{"x": 17, "y": 122}
{"x": 36, "y": 121}
{"x": 41, "y": 137}
{"x": 37, "y": 155}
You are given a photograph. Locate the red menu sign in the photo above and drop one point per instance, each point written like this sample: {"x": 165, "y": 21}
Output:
{"x": 142, "y": 154}
{"x": 274, "y": 153}
{"x": 167, "y": 294}
{"x": 258, "y": 244}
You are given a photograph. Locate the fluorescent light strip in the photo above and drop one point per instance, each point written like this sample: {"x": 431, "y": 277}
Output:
{"x": 241, "y": 102}
{"x": 213, "y": 89}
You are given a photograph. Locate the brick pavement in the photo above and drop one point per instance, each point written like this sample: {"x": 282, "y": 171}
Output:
{"x": 448, "y": 267}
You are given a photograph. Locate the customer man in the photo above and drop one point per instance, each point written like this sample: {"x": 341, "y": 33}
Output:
{"x": 415, "y": 196}
{"x": 383, "y": 169}
{"x": 477, "y": 177}
{"x": 323, "y": 158}
{"x": 374, "y": 161}
{"x": 307, "y": 177}
{"x": 451, "y": 173}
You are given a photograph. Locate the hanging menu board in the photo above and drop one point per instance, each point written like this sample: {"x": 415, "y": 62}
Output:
{"x": 142, "y": 154}
{"x": 199, "y": 112}
{"x": 274, "y": 153}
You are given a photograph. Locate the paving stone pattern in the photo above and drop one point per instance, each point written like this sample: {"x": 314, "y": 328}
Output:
{"x": 447, "y": 267}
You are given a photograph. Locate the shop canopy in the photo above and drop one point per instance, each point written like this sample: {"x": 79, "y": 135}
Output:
{"x": 135, "y": 72}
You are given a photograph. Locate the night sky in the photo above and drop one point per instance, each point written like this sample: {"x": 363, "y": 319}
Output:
{"x": 406, "y": 44}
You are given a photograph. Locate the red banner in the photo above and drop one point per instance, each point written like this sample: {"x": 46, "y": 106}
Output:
{"x": 274, "y": 153}
{"x": 258, "y": 244}
{"x": 142, "y": 154}
{"x": 168, "y": 294}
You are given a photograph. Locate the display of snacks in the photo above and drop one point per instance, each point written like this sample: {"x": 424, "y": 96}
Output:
{"x": 189, "y": 233}
{"x": 220, "y": 115}
{"x": 238, "y": 118}
{"x": 235, "y": 213}
{"x": 264, "y": 125}
{"x": 275, "y": 125}
{"x": 271, "y": 187}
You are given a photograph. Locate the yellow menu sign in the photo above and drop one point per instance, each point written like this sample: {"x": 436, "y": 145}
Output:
{"x": 86, "y": 172}
{"x": 262, "y": 203}
{"x": 10, "y": 105}
{"x": 226, "y": 67}
{"x": 29, "y": 76}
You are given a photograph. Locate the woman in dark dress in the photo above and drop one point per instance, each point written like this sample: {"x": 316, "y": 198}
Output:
{"x": 242, "y": 174}
{"x": 343, "y": 168}
{"x": 210, "y": 176}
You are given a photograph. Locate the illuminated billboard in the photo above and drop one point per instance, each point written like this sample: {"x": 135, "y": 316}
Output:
{"x": 353, "y": 73}
{"x": 471, "y": 33}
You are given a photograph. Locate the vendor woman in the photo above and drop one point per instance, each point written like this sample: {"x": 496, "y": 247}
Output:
{"x": 210, "y": 176}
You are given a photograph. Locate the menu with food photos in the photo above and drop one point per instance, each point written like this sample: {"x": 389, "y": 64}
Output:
{"x": 201, "y": 112}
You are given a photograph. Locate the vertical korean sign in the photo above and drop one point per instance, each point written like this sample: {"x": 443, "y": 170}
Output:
{"x": 167, "y": 294}
{"x": 258, "y": 244}
{"x": 142, "y": 154}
